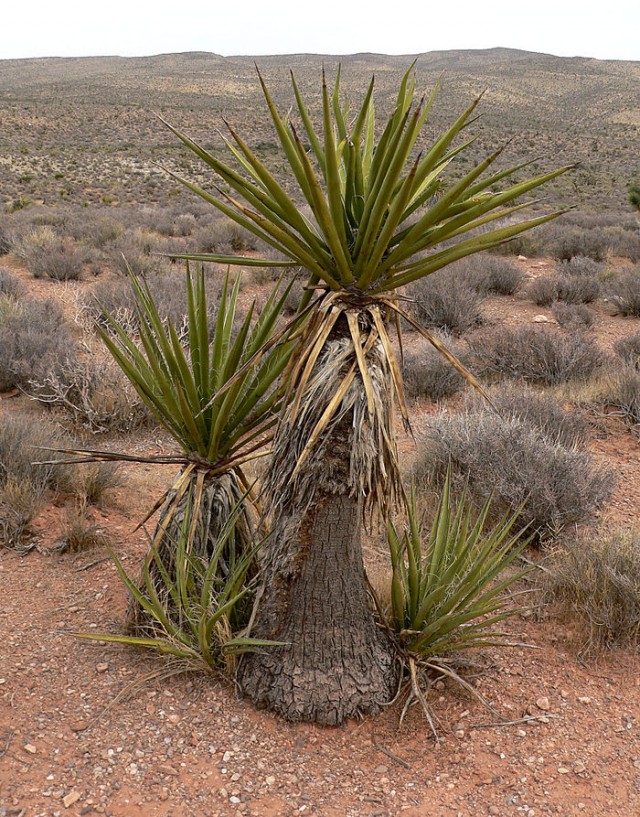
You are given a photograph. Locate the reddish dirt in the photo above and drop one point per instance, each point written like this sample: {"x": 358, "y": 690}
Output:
{"x": 87, "y": 727}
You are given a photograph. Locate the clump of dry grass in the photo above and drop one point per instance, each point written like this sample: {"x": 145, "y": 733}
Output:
{"x": 80, "y": 533}
{"x": 23, "y": 483}
{"x": 598, "y": 579}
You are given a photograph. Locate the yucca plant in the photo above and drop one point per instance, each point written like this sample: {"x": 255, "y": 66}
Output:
{"x": 449, "y": 587}
{"x": 383, "y": 213}
{"x": 218, "y": 429}
{"x": 209, "y": 598}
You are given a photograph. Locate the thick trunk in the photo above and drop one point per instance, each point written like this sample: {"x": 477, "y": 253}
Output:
{"x": 336, "y": 662}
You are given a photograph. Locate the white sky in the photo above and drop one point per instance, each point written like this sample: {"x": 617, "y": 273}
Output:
{"x": 585, "y": 28}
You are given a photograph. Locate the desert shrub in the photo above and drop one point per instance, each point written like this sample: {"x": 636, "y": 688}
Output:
{"x": 10, "y": 285}
{"x": 625, "y": 243}
{"x": 47, "y": 254}
{"x": 628, "y": 349}
{"x": 428, "y": 374}
{"x": 624, "y": 293}
{"x": 443, "y": 302}
{"x": 583, "y": 266}
{"x": 598, "y": 579}
{"x": 565, "y": 241}
{"x": 98, "y": 232}
{"x": 80, "y": 533}
{"x": 224, "y": 236}
{"x": 91, "y": 395}
{"x": 543, "y": 291}
{"x": 92, "y": 481}
{"x": 577, "y": 289}
{"x": 35, "y": 342}
{"x": 536, "y": 354}
{"x": 6, "y": 241}
{"x": 496, "y": 276}
{"x": 541, "y": 412}
{"x": 295, "y": 295}
{"x": 622, "y": 393}
{"x": 137, "y": 252}
{"x": 573, "y": 316}
{"x": 507, "y": 458}
{"x": 22, "y": 482}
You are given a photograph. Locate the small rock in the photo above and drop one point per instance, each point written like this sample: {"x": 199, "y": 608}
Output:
{"x": 29, "y": 747}
{"x": 541, "y": 319}
{"x": 381, "y": 769}
{"x": 168, "y": 770}
{"x": 270, "y": 780}
{"x": 235, "y": 800}
{"x": 103, "y": 667}
{"x": 459, "y": 733}
{"x": 520, "y": 258}
{"x": 584, "y": 699}
{"x": 563, "y": 770}
{"x": 71, "y": 798}
{"x": 543, "y": 703}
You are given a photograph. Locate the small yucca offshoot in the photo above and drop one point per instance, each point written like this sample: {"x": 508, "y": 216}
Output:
{"x": 448, "y": 587}
{"x": 217, "y": 395}
{"x": 210, "y": 599}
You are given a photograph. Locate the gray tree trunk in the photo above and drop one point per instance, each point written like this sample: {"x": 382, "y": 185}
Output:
{"x": 337, "y": 663}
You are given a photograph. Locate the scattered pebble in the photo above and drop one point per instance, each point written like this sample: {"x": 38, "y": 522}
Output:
{"x": 71, "y": 798}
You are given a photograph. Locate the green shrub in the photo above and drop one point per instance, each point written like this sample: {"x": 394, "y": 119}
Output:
{"x": 448, "y": 584}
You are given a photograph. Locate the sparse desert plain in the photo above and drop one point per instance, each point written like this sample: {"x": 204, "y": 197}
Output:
{"x": 550, "y": 325}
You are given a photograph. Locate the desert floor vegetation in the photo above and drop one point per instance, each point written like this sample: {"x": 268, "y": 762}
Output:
{"x": 448, "y": 578}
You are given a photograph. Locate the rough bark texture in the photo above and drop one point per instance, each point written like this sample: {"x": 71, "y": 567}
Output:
{"x": 337, "y": 663}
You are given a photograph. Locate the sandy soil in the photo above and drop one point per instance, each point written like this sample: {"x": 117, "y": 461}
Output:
{"x": 87, "y": 727}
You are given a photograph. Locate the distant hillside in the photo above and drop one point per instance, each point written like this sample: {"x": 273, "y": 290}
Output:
{"x": 84, "y": 130}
